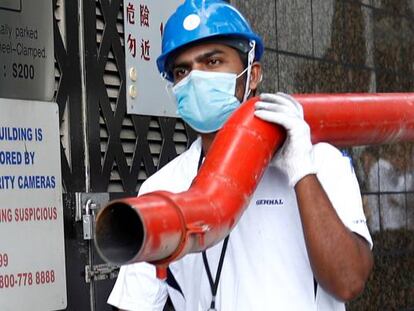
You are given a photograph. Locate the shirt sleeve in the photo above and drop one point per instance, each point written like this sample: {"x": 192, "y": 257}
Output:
{"x": 138, "y": 289}
{"x": 337, "y": 176}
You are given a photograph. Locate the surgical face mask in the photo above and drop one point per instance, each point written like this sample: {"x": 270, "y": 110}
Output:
{"x": 205, "y": 100}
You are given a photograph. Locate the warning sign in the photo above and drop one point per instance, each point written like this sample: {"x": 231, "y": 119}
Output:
{"x": 26, "y": 49}
{"x": 32, "y": 257}
{"x": 144, "y": 21}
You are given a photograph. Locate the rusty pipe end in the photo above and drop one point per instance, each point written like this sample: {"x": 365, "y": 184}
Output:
{"x": 119, "y": 233}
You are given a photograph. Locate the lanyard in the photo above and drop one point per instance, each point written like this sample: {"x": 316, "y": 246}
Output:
{"x": 213, "y": 284}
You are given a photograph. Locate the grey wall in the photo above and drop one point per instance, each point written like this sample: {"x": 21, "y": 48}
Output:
{"x": 354, "y": 46}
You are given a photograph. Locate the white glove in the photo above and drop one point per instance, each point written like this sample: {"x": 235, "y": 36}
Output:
{"x": 295, "y": 157}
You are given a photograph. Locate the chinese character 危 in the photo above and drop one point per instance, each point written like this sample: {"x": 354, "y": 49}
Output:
{"x": 131, "y": 14}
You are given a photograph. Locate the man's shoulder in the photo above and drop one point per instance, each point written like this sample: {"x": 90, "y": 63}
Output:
{"x": 332, "y": 161}
{"x": 177, "y": 174}
{"x": 326, "y": 156}
{"x": 325, "y": 150}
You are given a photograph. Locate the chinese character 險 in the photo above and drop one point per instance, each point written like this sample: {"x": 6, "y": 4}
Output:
{"x": 144, "y": 15}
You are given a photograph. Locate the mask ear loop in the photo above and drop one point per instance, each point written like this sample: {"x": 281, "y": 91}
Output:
{"x": 169, "y": 89}
{"x": 250, "y": 60}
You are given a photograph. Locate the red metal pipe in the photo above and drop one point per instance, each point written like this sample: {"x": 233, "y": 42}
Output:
{"x": 346, "y": 120}
{"x": 161, "y": 227}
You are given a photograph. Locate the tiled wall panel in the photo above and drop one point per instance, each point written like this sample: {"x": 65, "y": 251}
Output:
{"x": 354, "y": 46}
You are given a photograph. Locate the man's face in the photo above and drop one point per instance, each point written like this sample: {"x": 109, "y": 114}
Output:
{"x": 209, "y": 57}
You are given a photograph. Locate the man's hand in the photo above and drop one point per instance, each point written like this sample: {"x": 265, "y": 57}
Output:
{"x": 295, "y": 158}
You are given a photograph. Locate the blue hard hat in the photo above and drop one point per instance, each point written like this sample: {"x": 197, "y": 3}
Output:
{"x": 198, "y": 20}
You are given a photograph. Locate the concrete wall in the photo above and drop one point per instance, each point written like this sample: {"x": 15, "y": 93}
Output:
{"x": 354, "y": 46}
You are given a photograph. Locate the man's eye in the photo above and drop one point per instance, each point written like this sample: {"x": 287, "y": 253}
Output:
{"x": 214, "y": 62}
{"x": 179, "y": 73}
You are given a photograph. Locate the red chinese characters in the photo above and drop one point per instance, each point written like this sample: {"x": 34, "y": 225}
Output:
{"x": 144, "y": 15}
{"x": 145, "y": 50}
{"x": 132, "y": 45}
{"x": 131, "y": 14}
{"x": 144, "y": 22}
{"x": 130, "y": 19}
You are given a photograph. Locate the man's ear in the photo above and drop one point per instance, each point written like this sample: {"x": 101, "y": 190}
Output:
{"x": 255, "y": 76}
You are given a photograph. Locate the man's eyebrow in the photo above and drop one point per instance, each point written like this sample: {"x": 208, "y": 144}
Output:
{"x": 199, "y": 58}
{"x": 209, "y": 54}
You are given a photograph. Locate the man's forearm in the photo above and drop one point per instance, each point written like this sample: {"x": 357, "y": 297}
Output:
{"x": 341, "y": 260}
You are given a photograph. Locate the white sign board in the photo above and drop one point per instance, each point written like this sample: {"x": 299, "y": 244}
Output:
{"x": 32, "y": 254}
{"x": 27, "y": 69}
{"x": 144, "y": 22}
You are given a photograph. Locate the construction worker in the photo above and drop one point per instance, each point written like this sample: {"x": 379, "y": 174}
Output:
{"x": 302, "y": 243}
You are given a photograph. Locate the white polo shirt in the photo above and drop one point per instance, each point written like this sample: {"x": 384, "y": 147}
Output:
{"x": 266, "y": 266}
